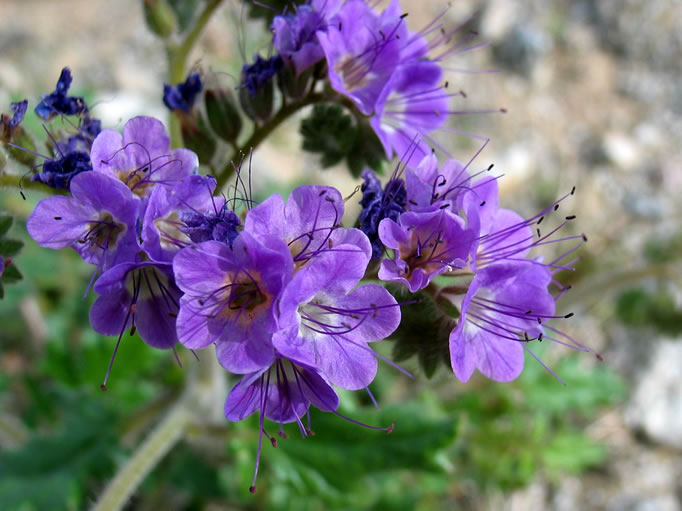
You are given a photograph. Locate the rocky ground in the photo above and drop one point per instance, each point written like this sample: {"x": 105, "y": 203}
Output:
{"x": 594, "y": 99}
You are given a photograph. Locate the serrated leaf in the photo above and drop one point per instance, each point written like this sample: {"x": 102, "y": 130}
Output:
{"x": 328, "y": 131}
{"x": 5, "y": 224}
{"x": 10, "y": 248}
{"x": 367, "y": 152}
{"x": 424, "y": 331}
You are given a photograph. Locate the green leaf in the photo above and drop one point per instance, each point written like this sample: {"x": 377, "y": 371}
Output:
{"x": 367, "y": 151}
{"x": 328, "y": 131}
{"x": 10, "y": 248}
{"x": 423, "y": 331}
{"x": 637, "y": 307}
{"x": 11, "y": 275}
{"x": 341, "y": 454}
{"x": 46, "y": 472}
{"x": 5, "y": 224}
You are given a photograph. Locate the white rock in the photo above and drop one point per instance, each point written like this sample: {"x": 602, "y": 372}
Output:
{"x": 656, "y": 406}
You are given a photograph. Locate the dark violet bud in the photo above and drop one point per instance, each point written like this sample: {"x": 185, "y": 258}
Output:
{"x": 257, "y": 75}
{"x": 378, "y": 204}
{"x": 58, "y": 103}
{"x": 223, "y": 115}
{"x": 183, "y": 95}
{"x": 160, "y": 17}
{"x": 219, "y": 226}
{"x": 57, "y": 173}
{"x": 256, "y": 92}
{"x": 90, "y": 127}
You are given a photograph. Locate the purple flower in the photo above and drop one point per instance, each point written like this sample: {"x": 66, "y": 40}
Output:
{"x": 58, "y": 172}
{"x": 309, "y": 223}
{"x": 163, "y": 229}
{"x": 295, "y": 35}
{"x": 58, "y": 103}
{"x": 362, "y": 49}
{"x": 98, "y": 221}
{"x": 183, "y": 95}
{"x": 2, "y": 266}
{"x": 230, "y": 296}
{"x": 426, "y": 244}
{"x": 430, "y": 184}
{"x": 141, "y": 297}
{"x": 502, "y": 310}
{"x": 141, "y": 158}
{"x": 411, "y": 106}
{"x": 283, "y": 393}
{"x": 378, "y": 204}
{"x": 257, "y": 75}
{"x": 326, "y": 322}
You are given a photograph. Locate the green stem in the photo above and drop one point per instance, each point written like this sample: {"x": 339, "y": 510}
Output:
{"x": 155, "y": 447}
{"x": 177, "y": 55}
{"x": 11, "y": 181}
{"x": 206, "y": 386}
{"x": 260, "y": 133}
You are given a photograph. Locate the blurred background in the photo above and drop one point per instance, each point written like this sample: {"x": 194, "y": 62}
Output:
{"x": 594, "y": 99}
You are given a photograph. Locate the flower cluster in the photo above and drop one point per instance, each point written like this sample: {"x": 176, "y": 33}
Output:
{"x": 276, "y": 287}
{"x": 449, "y": 223}
{"x": 277, "y": 295}
{"x": 390, "y": 74}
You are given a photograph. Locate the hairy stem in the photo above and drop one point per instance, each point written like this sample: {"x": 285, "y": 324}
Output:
{"x": 177, "y": 54}
{"x": 155, "y": 447}
{"x": 11, "y": 181}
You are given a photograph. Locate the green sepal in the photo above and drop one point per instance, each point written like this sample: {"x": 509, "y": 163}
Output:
{"x": 10, "y": 248}
{"x": 160, "y": 17}
{"x": 222, "y": 113}
{"x": 292, "y": 85}
{"x": 5, "y": 224}
{"x": 185, "y": 11}
{"x": 198, "y": 137}
{"x": 328, "y": 131}
{"x": 24, "y": 141}
{"x": 258, "y": 108}
{"x": 11, "y": 275}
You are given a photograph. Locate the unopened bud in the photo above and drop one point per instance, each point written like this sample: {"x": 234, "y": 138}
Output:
{"x": 292, "y": 85}
{"x": 258, "y": 107}
{"x": 223, "y": 115}
{"x": 198, "y": 137}
{"x": 160, "y": 17}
